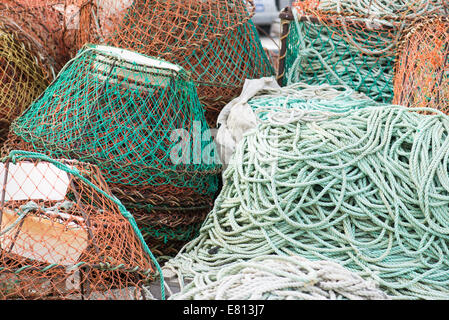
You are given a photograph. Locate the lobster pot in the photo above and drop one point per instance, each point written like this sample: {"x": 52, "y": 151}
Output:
{"x": 24, "y": 73}
{"x": 64, "y": 236}
{"x": 216, "y": 42}
{"x": 138, "y": 118}
{"x": 338, "y": 51}
{"x": 48, "y": 22}
{"x": 167, "y": 216}
{"x": 422, "y": 69}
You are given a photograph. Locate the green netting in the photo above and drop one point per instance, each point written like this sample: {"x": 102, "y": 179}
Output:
{"x": 136, "y": 117}
{"x": 362, "y": 59}
{"x": 180, "y": 233}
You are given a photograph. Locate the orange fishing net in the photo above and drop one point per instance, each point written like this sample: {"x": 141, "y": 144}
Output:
{"x": 214, "y": 40}
{"x": 64, "y": 236}
{"x": 46, "y": 21}
{"x": 422, "y": 69}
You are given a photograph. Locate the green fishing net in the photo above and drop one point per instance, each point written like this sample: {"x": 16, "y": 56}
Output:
{"x": 349, "y": 53}
{"x": 138, "y": 118}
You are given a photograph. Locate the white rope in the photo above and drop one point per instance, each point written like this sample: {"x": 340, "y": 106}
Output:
{"x": 280, "y": 278}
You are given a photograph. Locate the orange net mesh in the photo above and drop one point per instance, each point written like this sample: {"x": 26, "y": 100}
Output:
{"x": 63, "y": 237}
{"x": 46, "y": 21}
{"x": 214, "y": 40}
{"x": 422, "y": 69}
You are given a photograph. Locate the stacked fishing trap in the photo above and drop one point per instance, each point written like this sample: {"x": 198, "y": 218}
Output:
{"x": 139, "y": 119}
{"x": 25, "y": 72}
{"x": 215, "y": 41}
{"x": 63, "y": 235}
{"x": 347, "y": 43}
{"x": 422, "y": 69}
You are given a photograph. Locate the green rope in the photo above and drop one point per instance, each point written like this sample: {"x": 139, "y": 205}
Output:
{"x": 17, "y": 155}
{"x": 368, "y": 189}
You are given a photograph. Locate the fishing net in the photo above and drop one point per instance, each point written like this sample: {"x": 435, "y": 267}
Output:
{"x": 25, "y": 72}
{"x": 422, "y": 70}
{"x": 138, "y": 119}
{"x": 339, "y": 51}
{"x": 64, "y": 236}
{"x": 214, "y": 40}
{"x": 361, "y": 188}
{"x": 376, "y": 9}
{"x": 126, "y": 113}
{"x": 47, "y": 22}
{"x": 280, "y": 278}
{"x": 94, "y": 20}
{"x": 167, "y": 218}
{"x": 352, "y": 43}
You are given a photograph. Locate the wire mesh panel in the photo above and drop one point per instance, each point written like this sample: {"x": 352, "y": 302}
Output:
{"x": 25, "y": 72}
{"x": 215, "y": 40}
{"x": 64, "y": 236}
{"x": 422, "y": 70}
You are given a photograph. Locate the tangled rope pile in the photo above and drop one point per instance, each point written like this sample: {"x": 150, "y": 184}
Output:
{"x": 280, "y": 278}
{"x": 262, "y": 97}
{"x": 368, "y": 189}
{"x": 301, "y": 96}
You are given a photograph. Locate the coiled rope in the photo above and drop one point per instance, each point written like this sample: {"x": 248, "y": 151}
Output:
{"x": 301, "y": 96}
{"x": 280, "y": 278}
{"x": 368, "y": 189}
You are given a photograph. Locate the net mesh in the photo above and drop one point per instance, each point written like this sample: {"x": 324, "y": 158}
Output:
{"x": 24, "y": 73}
{"x": 362, "y": 59}
{"x": 351, "y": 43}
{"x": 140, "y": 121}
{"x": 64, "y": 236}
{"x": 214, "y": 40}
{"x": 376, "y": 9}
{"x": 422, "y": 70}
{"x": 47, "y": 21}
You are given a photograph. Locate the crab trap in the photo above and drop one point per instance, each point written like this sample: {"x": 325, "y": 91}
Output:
{"x": 63, "y": 235}
{"x": 138, "y": 118}
{"x": 214, "y": 40}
